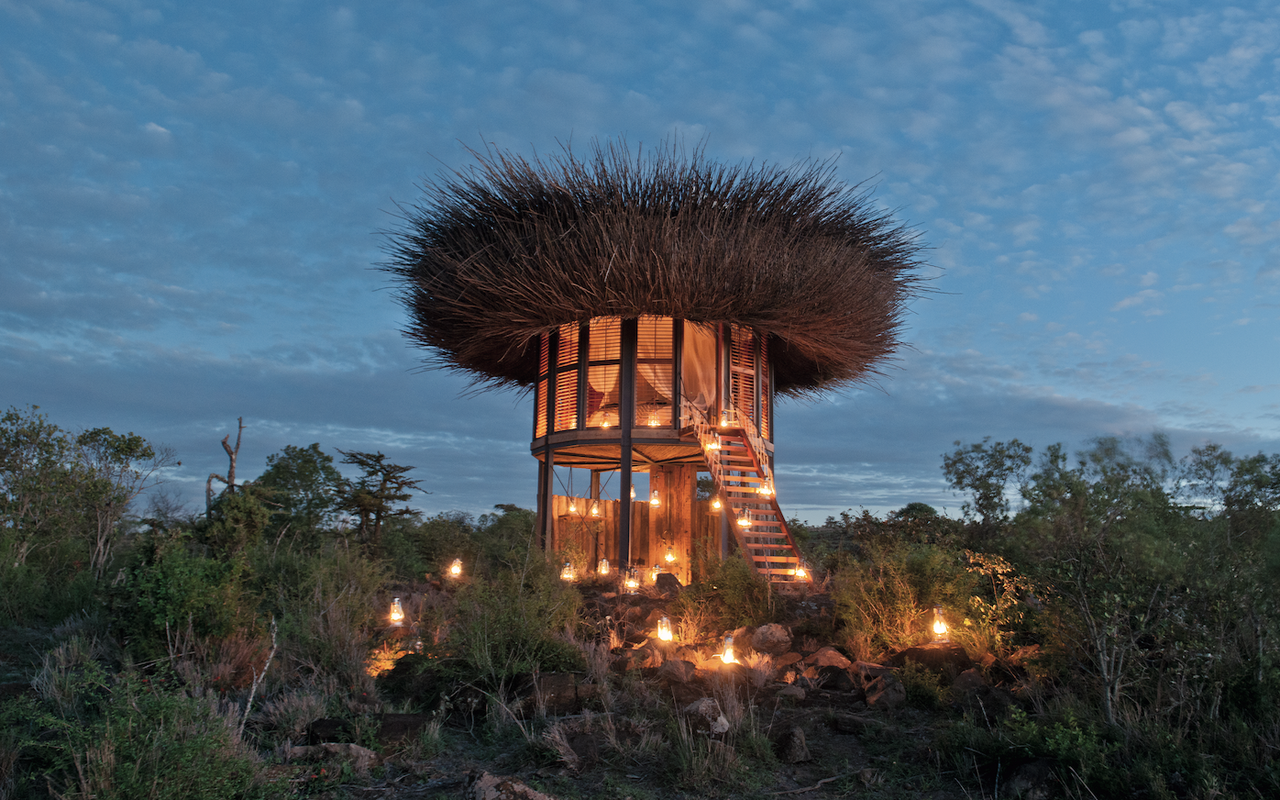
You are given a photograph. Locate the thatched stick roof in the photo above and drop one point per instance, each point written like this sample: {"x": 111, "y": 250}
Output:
{"x": 496, "y": 255}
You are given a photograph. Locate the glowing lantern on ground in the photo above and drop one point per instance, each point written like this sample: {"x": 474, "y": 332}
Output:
{"x": 397, "y": 613}
{"x": 568, "y": 573}
{"x": 727, "y": 656}
{"x": 632, "y": 583}
{"x": 802, "y": 572}
{"x": 455, "y": 569}
{"x": 664, "y": 629}
{"x": 939, "y": 625}
{"x": 654, "y": 573}
{"x": 603, "y": 566}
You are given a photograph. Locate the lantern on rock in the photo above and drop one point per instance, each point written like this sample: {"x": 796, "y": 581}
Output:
{"x": 664, "y": 629}
{"x": 939, "y": 625}
{"x": 727, "y": 656}
{"x": 568, "y": 573}
{"x": 603, "y": 567}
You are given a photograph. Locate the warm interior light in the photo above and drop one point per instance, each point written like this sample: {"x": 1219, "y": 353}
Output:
{"x": 671, "y": 555}
{"x": 653, "y": 420}
{"x": 653, "y": 499}
{"x": 939, "y": 625}
{"x": 603, "y": 566}
{"x": 604, "y": 423}
{"x": 568, "y": 573}
{"x": 727, "y": 656}
{"x": 664, "y": 629}
{"x": 397, "y": 612}
{"x": 455, "y": 569}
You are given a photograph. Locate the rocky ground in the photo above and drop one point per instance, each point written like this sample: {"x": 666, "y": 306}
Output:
{"x": 790, "y": 716}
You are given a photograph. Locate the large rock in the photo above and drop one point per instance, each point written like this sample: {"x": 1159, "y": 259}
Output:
{"x": 496, "y": 787}
{"x": 886, "y": 691}
{"x": 792, "y": 748}
{"x": 835, "y": 679}
{"x": 705, "y": 716}
{"x": 942, "y": 658}
{"x": 668, "y": 585}
{"x": 828, "y": 657}
{"x": 360, "y": 758}
{"x": 772, "y": 639}
{"x": 676, "y": 671}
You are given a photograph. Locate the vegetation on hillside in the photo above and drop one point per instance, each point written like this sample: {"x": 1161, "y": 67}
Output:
{"x": 1124, "y": 596}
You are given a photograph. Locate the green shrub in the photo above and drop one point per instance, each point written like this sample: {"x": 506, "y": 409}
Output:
{"x": 92, "y": 734}
{"x": 729, "y": 595}
{"x": 168, "y": 588}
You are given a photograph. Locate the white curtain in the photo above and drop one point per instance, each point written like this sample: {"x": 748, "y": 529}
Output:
{"x": 698, "y": 370}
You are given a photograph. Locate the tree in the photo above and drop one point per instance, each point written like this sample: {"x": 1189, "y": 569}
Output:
{"x": 34, "y": 482}
{"x": 305, "y": 486}
{"x": 230, "y": 478}
{"x": 114, "y": 469}
{"x": 986, "y": 470}
{"x": 372, "y": 497}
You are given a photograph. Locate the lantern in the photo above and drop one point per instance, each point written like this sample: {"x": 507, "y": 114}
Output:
{"x": 664, "y": 629}
{"x": 727, "y": 656}
{"x": 671, "y": 555}
{"x": 716, "y": 505}
{"x": 397, "y": 613}
{"x": 939, "y": 625}
{"x": 455, "y": 569}
{"x": 745, "y": 519}
{"x": 766, "y": 489}
{"x": 595, "y": 508}
{"x": 653, "y": 499}
{"x": 633, "y": 491}
{"x": 573, "y": 505}
{"x": 603, "y": 567}
{"x": 802, "y": 572}
{"x": 568, "y": 573}
{"x": 654, "y": 573}
{"x": 632, "y": 583}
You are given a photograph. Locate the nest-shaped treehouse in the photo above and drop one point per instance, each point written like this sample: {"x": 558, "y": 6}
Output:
{"x": 656, "y": 305}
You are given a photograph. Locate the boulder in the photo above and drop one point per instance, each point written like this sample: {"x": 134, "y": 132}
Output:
{"x": 792, "y": 748}
{"x": 495, "y": 787}
{"x": 886, "y": 691}
{"x": 794, "y": 693}
{"x": 942, "y": 658}
{"x": 360, "y": 758}
{"x": 705, "y": 716}
{"x": 668, "y": 585}
{"x": 787, "y": 659}
{"x": 771, "y": 638}
{"x": 828, "y": 657}
{"x": 676, "y": 671}
{"x": 835, "y": 679}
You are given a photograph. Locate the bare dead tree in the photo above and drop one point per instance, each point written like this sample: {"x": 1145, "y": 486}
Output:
{"x": 230, "y": 479}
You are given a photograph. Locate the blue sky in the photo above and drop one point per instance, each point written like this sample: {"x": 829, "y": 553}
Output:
{"x": 191, "y": 197}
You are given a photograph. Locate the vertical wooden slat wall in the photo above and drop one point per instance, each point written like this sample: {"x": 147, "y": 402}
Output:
{"x": 695, "y": 528}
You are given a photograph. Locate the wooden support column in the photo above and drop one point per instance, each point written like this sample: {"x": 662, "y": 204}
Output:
{"x": 626, "y": 421}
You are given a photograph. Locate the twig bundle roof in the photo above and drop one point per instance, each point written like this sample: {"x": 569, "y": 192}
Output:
{"x": 494, "y": 256}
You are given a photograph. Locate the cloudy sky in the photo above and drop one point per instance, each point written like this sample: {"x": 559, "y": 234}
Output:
{"x": 191, "y": 200}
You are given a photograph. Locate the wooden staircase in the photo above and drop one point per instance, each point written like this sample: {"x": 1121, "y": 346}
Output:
{"x": 735, "y": 456}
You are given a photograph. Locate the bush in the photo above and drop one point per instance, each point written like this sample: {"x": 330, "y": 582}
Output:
{"x": 729, "y": 595}
{"x": 126, "y": 736}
